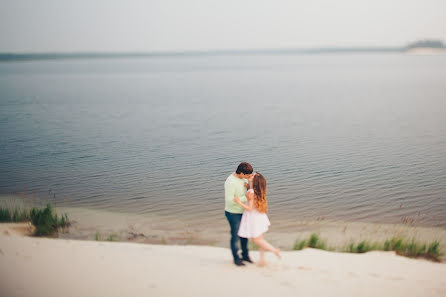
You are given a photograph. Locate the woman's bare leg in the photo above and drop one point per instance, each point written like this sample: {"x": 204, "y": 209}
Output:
{"x": 262, "y": 257}
{"x": 262, "y": 243}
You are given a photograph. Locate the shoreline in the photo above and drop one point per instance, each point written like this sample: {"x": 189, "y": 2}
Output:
{"x": 89, "y": 224}
{"x": 100, "y": 225}
{"x": 62, "y": 267}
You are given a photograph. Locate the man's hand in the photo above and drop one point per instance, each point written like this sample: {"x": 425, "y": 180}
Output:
{"x": 251, "y": 178}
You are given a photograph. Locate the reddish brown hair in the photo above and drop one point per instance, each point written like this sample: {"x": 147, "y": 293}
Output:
{"x": 259, "y": 187}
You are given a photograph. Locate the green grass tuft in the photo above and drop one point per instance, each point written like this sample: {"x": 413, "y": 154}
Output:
{"x": 363, "y": 247}
{"x": 313, "y": 242}
{"x": 17, "y": 215}
{"x": 5, "y": 215}
{"x": 112, "y": 237}
{"x": 299, "y": 244}
{"x": 433, "y": 251}
{"x": 45, "y": 220}
{"x": 413, "y": 249}
{"x": 401, "y": 246}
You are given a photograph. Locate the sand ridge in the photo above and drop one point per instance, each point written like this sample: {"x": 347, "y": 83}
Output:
{"x": 33, "y": 266}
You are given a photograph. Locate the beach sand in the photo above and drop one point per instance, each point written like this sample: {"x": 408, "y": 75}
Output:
{"x": 46, "y": 267}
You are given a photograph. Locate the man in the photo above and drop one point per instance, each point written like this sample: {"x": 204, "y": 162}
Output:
{"x": 235, "y": 185}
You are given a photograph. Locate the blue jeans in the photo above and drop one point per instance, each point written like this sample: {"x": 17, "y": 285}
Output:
{"x": 234, "y": 222}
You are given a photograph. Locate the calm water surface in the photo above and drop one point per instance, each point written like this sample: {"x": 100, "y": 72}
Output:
{"x": 349, "y": 137}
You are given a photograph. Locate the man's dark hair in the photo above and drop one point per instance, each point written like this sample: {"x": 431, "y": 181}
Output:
{"x": 244, "y": 168}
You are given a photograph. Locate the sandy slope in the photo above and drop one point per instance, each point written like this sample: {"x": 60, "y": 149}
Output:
{"x": 56, "y": 267}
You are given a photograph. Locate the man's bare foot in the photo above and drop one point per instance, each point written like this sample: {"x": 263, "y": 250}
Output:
{"x": 277, "y": 253}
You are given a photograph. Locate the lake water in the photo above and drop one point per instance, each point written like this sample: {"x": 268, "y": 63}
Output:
{"x": 340, "y": 137}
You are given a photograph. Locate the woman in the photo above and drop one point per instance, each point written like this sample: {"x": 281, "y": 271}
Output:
{"x": 254, "y": 221}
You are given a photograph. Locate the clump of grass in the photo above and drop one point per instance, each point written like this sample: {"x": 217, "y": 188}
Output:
{"x": 5, "y": 215}
{"x": 409, "y": 248}
{"x": 45, "y": 220}
{"x": 363, "y": 247}
{"x": 433, "y": 251}
{"x": 299, "y": 245}
{"x": 20, "y": 215}
{"x": 17, "y": 215}
{"x": 313, "y": 242}
{"x": 112, "y": 237}
{"x": 413, "y": 249}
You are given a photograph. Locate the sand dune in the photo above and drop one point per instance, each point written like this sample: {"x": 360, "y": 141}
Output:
{"x": 57, "y": 267}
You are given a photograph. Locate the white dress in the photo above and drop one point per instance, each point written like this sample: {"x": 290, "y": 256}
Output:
{"x": 253, "y": 223}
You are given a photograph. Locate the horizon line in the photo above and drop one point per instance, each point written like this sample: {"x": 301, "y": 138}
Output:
{"x": 13, "y": 56}
{"x": 21, "y": 56}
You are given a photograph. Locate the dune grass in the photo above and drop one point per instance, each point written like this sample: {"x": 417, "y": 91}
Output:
{"x": 16, "y": 215}
{"x": 409, "y": 248}
{"x": 112, "y": 237}
{"x": 414, "y": 249}
{"x": 313, "y": 242}
{"x": 45, "y": 219}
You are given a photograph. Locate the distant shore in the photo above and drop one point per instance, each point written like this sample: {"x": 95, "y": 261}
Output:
{"x": 426, "y": 51}
{"x": 17, "y": 57}
{"x": 12, "y": 57}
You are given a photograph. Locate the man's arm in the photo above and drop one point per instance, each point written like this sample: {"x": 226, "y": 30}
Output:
{"x": 250, "y": 205}
{"x": 229, "y": 192}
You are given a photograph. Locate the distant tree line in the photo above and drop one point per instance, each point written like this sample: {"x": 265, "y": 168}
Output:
{"x": 426, "y": 43}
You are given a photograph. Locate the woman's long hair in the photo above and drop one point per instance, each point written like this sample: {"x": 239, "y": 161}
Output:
{"x": 259, "y": 187}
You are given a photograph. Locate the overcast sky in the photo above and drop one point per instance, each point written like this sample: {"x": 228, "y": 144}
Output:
{"x": 181, "y": 25}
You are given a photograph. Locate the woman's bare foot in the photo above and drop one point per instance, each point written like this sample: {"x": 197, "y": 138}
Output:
{"x": 262, "y": 263}
{"x": 277, "y": 253}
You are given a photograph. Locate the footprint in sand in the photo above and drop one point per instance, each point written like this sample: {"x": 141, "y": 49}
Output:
{"x": 395, "y": 278}
{"x": 375, "y": 275}
{"x": 352, "y": 274}
{"x": 152, "y": 286}
{"x": 286, "y": 284}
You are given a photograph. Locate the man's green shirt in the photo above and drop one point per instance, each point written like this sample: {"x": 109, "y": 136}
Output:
{"x": 235, "y": 186}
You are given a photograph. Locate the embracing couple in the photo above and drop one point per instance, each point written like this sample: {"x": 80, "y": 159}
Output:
{"x": 245, "y": 208}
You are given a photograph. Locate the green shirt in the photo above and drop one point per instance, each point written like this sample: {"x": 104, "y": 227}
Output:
{"x": 235, "y": 186}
